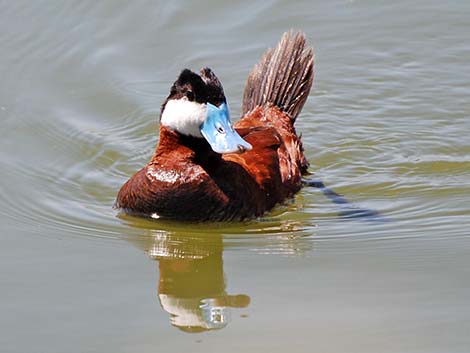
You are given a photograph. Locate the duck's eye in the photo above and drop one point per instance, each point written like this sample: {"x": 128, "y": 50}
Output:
{"x": 190, "y": 95}
{"x": 220, "y": 129}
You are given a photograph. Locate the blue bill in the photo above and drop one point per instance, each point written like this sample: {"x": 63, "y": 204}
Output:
{"x": 219, "y": 132}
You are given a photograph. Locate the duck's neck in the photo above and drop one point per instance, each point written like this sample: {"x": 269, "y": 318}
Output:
{"x": 196, "y": 148}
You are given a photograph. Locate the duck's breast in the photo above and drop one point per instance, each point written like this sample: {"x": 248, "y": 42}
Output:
{"x": 172, "y": 188}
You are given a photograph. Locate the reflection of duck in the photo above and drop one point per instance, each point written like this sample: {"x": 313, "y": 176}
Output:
{"x": 262, "y": 161}
{"x": 191, "y": 287}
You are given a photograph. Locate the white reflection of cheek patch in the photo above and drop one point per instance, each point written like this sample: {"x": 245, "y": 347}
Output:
{"x": 184, "y": 116}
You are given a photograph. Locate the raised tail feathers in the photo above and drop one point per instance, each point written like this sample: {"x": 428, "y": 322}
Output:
{"x": 283, "y": 77}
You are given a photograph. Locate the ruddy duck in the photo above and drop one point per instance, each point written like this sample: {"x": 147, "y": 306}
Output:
{"x": 206, "y": 169}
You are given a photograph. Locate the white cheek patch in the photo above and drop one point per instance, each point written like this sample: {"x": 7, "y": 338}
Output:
{"x": 184, "y": 116}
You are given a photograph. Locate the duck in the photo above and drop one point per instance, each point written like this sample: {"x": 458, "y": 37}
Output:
{"x": 207, "y": 169}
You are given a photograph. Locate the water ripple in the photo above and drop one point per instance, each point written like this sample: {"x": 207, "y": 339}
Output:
{"x": 385, "y": 126}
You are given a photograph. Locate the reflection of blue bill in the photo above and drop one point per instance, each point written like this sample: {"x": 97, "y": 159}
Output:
{"x": 215, "y": 316}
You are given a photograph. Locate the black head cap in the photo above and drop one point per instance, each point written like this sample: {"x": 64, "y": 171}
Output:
{"x": 215, "y": 91}
{"x": 198, "y": 88}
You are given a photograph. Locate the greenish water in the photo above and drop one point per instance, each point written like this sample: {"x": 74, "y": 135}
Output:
{"x": 387, "y": 125}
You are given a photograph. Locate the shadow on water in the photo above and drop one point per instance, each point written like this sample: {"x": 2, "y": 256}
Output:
{"x": 347, "y": 209}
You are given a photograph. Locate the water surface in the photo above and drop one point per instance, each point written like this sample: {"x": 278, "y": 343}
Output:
{"x": 386, "y": 126}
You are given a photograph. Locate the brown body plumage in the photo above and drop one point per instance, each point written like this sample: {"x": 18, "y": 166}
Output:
{"x": 186, "y": 180}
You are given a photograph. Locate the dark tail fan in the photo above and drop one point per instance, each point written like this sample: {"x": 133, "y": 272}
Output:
{"x": 283, "y": 77}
